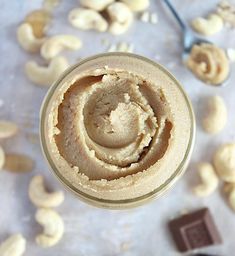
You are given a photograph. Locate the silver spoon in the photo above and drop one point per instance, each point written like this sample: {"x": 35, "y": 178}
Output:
{"x": 189, "y": 39}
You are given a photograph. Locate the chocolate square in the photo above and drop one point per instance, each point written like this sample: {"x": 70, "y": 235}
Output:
{"x": 194, "y": 230}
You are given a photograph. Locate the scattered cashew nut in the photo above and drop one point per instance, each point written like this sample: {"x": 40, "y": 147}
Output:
{"x": 224, "y": 162}
{"x": 229, "y": 189}
{"x": 27, "y": 39}
{"x": 13, "y": 246}
{"x": 40, "y": 197}
{"x": 54, "y": 45}
{"x": 216, "y": 117}
{"x": 209, "y": 179}
{"x": 121, "y": 18}
{"x": 87, "y": 19}
{"x": 210, "y": 26}
{"x": 39, "y": 21}
{"x": 137, "y": 5}
{"x": 18, "y": 163}
{"x": 2, "y": 158}
{"x": 45, "y": 76}
{"x": 226, "y": 10}
{"x": 7, "y": 129}
{"x": 53, "y": 227}
{"x": 99, "y": 5}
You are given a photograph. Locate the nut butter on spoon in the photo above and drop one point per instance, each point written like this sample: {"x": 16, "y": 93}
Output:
{"x": 207, "y": 61}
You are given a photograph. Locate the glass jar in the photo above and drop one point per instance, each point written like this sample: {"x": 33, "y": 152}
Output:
{"x": 137, "y": 65}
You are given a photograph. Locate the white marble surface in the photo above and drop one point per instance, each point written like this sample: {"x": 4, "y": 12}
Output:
{"x": 91, "y": 231}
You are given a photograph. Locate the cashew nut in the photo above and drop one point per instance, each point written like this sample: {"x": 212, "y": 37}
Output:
{"x": 45, "y": 76}
{"x": 54, "y": 45}
{"x": 210, "y": 26}
{"x": 216, "y": 117}
{"x": 40, "y": 197}
{"x": 2, "y": 158}
{"x": 27, "y": 39}
{"x": 137, "y": 5}
{"x": 53, "y": 227}
{"x": 226, "y": 10}
{"x": 7, "y": 129}
{"x": 39, "y": 21}
{"x": 13, "y": 246}
{"x": 229, "y": 189}
{"x": 18, "y": 163}
{"x": 209, "y": 179}
{"x": 224, "y": 162}
{"x": 98, "y": 5}
{"x": 121, "y": 18}
{"x": 87, "y": 19}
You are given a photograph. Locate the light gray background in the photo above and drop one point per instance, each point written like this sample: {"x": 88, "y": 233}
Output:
{"x": 90, "y": 231}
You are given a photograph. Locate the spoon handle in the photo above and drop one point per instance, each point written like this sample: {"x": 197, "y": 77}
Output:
{"x": 176, "y": 15}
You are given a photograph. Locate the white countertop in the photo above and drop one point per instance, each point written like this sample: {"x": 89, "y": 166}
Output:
{"x": 91, "y": 231}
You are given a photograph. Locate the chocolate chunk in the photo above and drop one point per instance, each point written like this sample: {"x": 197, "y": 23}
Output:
{"x": 194, "y": 230}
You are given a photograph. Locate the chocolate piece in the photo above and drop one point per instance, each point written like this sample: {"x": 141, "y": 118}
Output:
{"x": 194, "y": 230}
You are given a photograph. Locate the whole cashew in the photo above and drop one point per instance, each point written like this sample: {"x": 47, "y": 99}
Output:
{"x": 210, "y": 26}
{"x": 229, "y": 189}
{"x": 53, "y": 227}
{"x": 209, "y": 179}
{"x": 136, "y": 5}
{"x": 216, "y": 117}
{"x": 2, "y": 158}
{"x": 27, "y": 40}
{"x": 98, "y": 5}
{"x": 121, "y": 18}
{"x": 224, "y": 162}
{"x": 87, "y": 19}
{"x": 54, "y": 45}
{"x": 39, "y": 20}
{"x": 45, "y": 76}
{"x": 40, "y": 197}
{"x": 7, "y": 129}
{"x": 13, "y": 246}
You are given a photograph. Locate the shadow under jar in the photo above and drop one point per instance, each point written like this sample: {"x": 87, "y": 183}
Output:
{"x": 117, "y": 129}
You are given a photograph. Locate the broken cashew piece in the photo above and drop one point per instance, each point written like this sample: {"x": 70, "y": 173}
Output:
{"x": 137, "y": 5}
{"x": 45, "y": 76}
{"x": 54, "y": 45}
{"x": 216, "y": 117}
{"x": 229, "y": 189}
{"x": 7, "y": 129}
{"x": 210, "y": 26}
{"x": 13, "y": 246}
{"x": 53, "y": 227}
{"x": 224, "y": 162}
{"x": 99, "y": 5}
{"x": 40, "y": 197}
{"x": 27, "y": 39}
{"x": 2, "y": 158}
{"x": 209, "y": 179}
{"x": 121, "y": 18}
{"x": 87, "y": 19}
